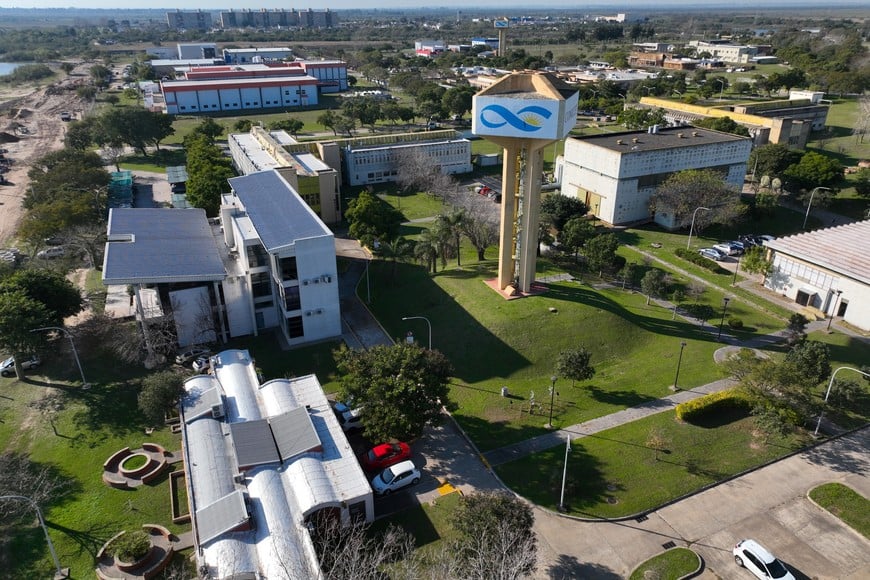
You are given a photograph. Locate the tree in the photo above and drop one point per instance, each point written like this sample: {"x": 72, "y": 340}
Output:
{"x": 480, "y": 228}
{"x": 685, "y": 191}
{"x": 641, "y": 118}
{"x": 657, "y": 441}
{"x": 653, "y": 283}
{"x": 208, "y": 128}
{"x": 19, "y": 314}
{"x": 755, "y": 261}
{"x": 401, "y": 388}
{"x": 42, "y": 483}
{"x": 372, "y": 219}
{"x": 795, "y": 332}
{"x": 601, "y": 252}
{"x": 576, "y": 233}
{"x": 810, "y": 360}
{"x": 59, "y": 296}
{"x": 453, "y": 221}
{"x": 724, "y": 124}
{"x": 772, "y": 159}
{"x": 562, "y": 208}
{"x": 628, "y": 274}
{"x": 292, "y": 125}
{"x": 208, "y": 170}
{"x": 397, "y": 250}
{"x": 329, "y": 120}
{"x": 814, "y": 170}
{"x": 136, "y": 127}
{"x": 862, "y": 183}
{"x": 575, "y": 364}
{"x": 457, "y": 100}
{"x": 497, "y": 541}
{"x": 160, "y": 392}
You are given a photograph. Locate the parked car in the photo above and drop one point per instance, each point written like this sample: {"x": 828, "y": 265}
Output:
{"x": 194, "y": 353}
{"x": 766, "y": 238}
{"x": 385, "y": 455}
{"x": 396, "y": 477}
{"x": 51, "y": 253}
{"x": 712, "y": 253}
{"x": 725, "y": 249}
{"x": 754, "y": 557}
{"x": 343, "y": 406}
{"x": 350, "y": 420}
{"x": 201, "y": 365}
{"x": 7, "y": 367}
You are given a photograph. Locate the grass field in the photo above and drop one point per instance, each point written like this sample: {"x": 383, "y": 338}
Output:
{"x": 846, "y": 504}
{"x": 615, "y": 473}
{"x": 671, "y": 564}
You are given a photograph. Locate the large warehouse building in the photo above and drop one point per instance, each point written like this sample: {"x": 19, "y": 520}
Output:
{"x": 187, "y": 97}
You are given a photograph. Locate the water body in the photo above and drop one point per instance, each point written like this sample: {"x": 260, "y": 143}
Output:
{"x": 7, "y": 67}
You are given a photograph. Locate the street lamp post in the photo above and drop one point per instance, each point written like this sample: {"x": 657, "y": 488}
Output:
{"x": 724, "y": 308}
{"x": 59, "y": 572}
{"x": 736, "y": 268}
{"x": 828, "y": 393}
{"x": 834, "y": 310}
{"x": 692, "y": 228}
{"x": 679, "y": 362}
{"x": 427, "y": 322}
{"x": 562, "y": 507}
{"x": 552, "y": 395}
{"x": 72, "y": 343}
{"x": 810, "y": 204}
{"x": 721, "y": 87}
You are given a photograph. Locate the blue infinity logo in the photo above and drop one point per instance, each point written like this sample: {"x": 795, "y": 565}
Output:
{"x": 528, "y": 119}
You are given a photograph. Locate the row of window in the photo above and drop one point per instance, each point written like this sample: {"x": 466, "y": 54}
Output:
{"x": 802, "y": 271}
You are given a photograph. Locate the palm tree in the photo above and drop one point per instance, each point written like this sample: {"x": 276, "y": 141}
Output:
{"x": 398, "y": 250}
{"x": 426, "y": 250}
{"x": 454, "y": 222}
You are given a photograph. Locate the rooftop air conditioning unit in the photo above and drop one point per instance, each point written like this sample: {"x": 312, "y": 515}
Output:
{"x": 217, "y": 411}
{"x": 327, "y": 279}
{"x": 305, "y": 282}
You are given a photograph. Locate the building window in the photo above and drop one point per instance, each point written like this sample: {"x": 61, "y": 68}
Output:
{"x": 256, "y": 256}
{"x": 288, "y": 269}
{"x": 261, "y": 284}
{"x": 295, "y": 328}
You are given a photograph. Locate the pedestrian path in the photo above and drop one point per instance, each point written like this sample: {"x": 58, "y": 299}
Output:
{"x": 540, "y": 443}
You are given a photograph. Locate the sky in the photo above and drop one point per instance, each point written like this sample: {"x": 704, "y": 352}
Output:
{"x": 598, "y": 6}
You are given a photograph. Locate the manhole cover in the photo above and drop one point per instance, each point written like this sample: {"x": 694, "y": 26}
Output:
{"x": 612, "y": 500}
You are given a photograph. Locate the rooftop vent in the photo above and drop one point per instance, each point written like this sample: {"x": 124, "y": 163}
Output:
{"x": 695, "y": 133}
{"x": 635, "y": 140}
{"x": 619, "y": 141}
{"x": 681, "y": 135}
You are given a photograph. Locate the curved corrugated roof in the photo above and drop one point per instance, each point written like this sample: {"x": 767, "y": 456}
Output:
{"x": 841, "y": 249}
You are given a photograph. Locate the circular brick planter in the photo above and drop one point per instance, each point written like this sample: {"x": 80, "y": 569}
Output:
{"x": 138, "y": 471}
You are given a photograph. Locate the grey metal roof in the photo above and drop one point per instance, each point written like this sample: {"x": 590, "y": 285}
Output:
{"x": 225, "y": 514}
{"x": 154, "y": 245}
{"x": 294, "y": 433}
{"x": 279, "y": 215}
{"x": 253, "y": 443}
{"x": 841, "y": 249}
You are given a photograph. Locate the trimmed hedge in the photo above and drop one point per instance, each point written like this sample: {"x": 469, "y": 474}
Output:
{"x": 699, "y": 260}
{"x": 723, "y": 400}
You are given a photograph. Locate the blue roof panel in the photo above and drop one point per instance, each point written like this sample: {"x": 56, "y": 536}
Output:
{"x": 278, "y": 213}
{"x": 161, "y": 245}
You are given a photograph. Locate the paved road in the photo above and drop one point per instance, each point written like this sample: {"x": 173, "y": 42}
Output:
{"x": 769, "y": 505}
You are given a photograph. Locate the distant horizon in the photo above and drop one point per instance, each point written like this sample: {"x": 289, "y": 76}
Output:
{"x": 481, "y": 5}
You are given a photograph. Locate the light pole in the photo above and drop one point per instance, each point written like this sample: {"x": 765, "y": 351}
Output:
{"x": 810, "y": 204}
{"x": 72, "y": 343}
{"x": 692, "y": 228}
{"x": 562, "y": 507}
{"x": 59, "y": 572}
{"x": 679, "y": 362}
{"x": 828, "y": 394}
{"x": 721, "y": 87}
{"x": 427, "y": 322}
{"x": 834, "y": 310}
{"x": 724, "y": 308}
{"x": 678, "y": 92}
{"x": 736, "y": 268}
{"x": 552, "y": 395}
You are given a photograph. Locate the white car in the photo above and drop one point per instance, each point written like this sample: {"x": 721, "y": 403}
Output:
{"x": 50, "y": 253}
{"x": 7, "y": 367}
{"x": 201, "y": 365}
{"x": 712, "y": 254}
{"x": 350, "y": 420}
{"x": 192, "y": 354}
{"x": 396, "y": 477}
{"x": 754, "y": 557}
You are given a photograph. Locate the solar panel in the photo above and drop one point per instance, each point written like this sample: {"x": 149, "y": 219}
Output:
{"x": 227, "y": 513}
{"x": 253, "y": 443}
{"x": 294, "y": 433}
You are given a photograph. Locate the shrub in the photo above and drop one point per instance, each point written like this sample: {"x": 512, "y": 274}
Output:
{"x": 700, "y": 260}
{"x": 735, "y": 323}
{"x": 131, "y": 546}
{"x": 714, "y": 402}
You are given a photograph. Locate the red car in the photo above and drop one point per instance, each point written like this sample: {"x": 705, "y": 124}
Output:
{"x": 384, "y": 455}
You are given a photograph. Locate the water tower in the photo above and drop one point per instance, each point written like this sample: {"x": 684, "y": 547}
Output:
{"x": 523, "y": 113}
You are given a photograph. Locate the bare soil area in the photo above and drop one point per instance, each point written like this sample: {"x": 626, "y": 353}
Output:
{"x": 30, "y": 127}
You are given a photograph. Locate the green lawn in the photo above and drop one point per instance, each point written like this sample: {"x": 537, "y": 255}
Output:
{"x": 671, "y": 564}
{"x": 493, "y": 343}
{"x": 614, "y": 473}
{"x": 846, "y": 351}
{"x": 412, "y": 205}
{"x": 846, "y": 504}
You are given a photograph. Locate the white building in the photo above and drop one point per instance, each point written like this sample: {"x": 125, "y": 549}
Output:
{"x": 249, "y": 55}
{"x": 261, "y": 461}
{"x": 238, "y": 94}
{"x": 284, "y": 258}
{"x": 197, "y": 50}
{"x": 615, "y": 174}
{"x": 826, "y": 270}
{"x": 376, "y": 160}
{"x": 736, "y": 53}
{"x": 317, "y": 183}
